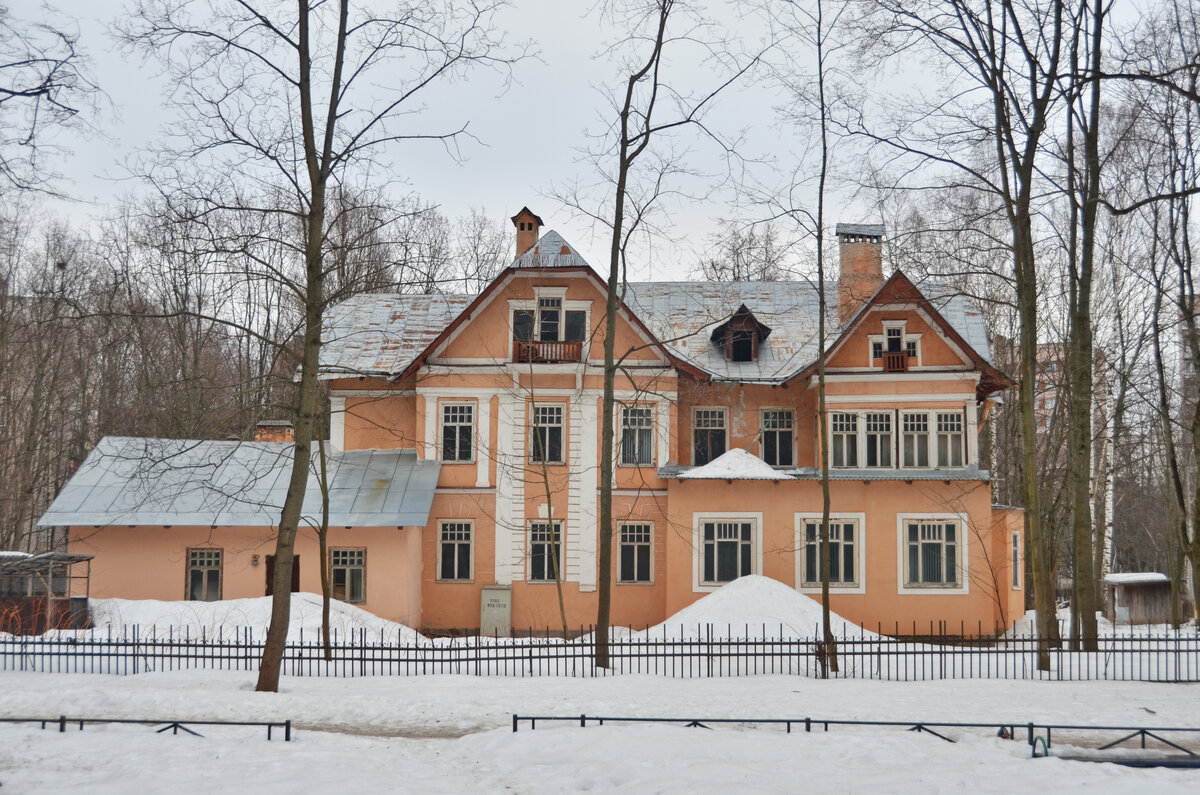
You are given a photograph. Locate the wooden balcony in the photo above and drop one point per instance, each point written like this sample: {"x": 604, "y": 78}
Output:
{"x": 895, "y": 362}
{"x": 539, "y": 352}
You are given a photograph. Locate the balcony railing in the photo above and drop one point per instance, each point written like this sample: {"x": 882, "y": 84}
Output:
{"x": 895, "y": 362}
{"x": 540, "y": 352}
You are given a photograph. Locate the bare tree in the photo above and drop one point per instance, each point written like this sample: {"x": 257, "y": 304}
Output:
{"x": 281, "y": 104}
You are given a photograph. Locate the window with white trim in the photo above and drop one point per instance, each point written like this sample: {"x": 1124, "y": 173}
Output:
{"x": 950, "y": 442}
{"x": 546, "y": 443}
{"x": 549, "y": 319}
{"x": 637, "y": 436}
{"x": 878, "y": 428}
{"x": 895, "y": 339}
{"x": 348, "y": 575}
{"x": 1016, "y": 561}
{"x": 931, "y": 558}
{"x": 458, "y": 431}
{"x": 454, "y": 550}
{"x": 636, "y": 543}
{"x": 843, "y": 551}
{"x": 545, "y": 552}
{"x": 843, "y": 432}
{"x": 778, "y": 433}
{"x": 708, "y": 435}
{"x": 914, "y": 439}
{"x": 728, "y": 550}
{"x": 204, "y": 575}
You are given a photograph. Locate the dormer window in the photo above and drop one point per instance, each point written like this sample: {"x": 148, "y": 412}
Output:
{"x": 741, "y": 336}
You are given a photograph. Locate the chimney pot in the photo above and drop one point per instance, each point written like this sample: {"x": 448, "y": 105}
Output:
{"x": 860, "y": 247}
{"x": 528, "y": 225}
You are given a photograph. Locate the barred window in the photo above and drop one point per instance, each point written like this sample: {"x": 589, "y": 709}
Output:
{"x": 636, "y": 542}
{"x": 347, "y": 574}
{"x": 458, "y": 429}
{"x": 778, "y": 428}
{"x": 637, "y": 436}
{"x": 547, "y": 441}
{"x": 204, "y": 575}
{"x": 454, "y": 550}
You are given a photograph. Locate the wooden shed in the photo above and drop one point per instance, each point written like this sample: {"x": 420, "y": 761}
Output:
{"x": 1138, "y": 598}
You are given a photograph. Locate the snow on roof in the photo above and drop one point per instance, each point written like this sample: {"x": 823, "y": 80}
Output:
{"x": 753, "y": 602}
{"x": 381, "y": 333}
{"x": 736, "y": 464}
{"x": 10, "y": 553}
{"x": 551, "y": 251}
{"x": 1124, "y": 578}
{"x": 129, "y": 481}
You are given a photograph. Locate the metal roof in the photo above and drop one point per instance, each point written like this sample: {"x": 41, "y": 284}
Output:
{"x": 37, "y": 564}
{"x": 129, "y": 481}
{"x": 382, "y": 334}
{"x": 551, "y": 251}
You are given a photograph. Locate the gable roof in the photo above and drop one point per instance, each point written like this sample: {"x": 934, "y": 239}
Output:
{"x": 388, "y": 334}
{"x": 132, "y": 481}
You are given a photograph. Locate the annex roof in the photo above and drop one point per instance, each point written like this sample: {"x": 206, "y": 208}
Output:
{"x": 130, "y": 481}
{"x": 1135, "y": 577}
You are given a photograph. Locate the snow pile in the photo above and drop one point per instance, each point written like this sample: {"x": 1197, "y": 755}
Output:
{"x": 737, "y": 464}
{"x": 751, "y": 603}
{"x": 229, "y": 616}
{"x": 1026, "y": 625}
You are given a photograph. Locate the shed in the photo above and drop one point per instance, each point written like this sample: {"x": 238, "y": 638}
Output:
{"x": 1138, "y": 597}
{"x": 41, "y": 592}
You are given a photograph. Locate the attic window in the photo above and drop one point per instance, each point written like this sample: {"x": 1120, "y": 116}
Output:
{"x": 741, "y": 336}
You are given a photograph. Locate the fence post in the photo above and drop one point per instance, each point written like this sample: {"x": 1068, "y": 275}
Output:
{"x": 62, "y": 723}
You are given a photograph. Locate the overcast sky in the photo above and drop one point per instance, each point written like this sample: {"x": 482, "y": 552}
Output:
{"x": 528, "y": 137}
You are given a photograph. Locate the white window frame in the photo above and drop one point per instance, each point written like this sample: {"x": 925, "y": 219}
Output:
{"x": 860, "y": 551}
{"x": 724, "y": 421}
{"x": 756, "y": 552}
{"x": 905, "y": 339}
{"x": 891, "y": 434}
{"x": 651, "y": 427}
{"x": 469, "y": 543}
{"x": 358, "y": 562}
{"x": 960, "y": 434}
{"x": 648, "y": 544}
{"x": 442, "y": 424}
{"x": 1017, "y": 560}
{"x": 535, "y": 426}
{"x": 932, "y": 434}
{"x": 202, "y": 559}
{"x": 962, "y": 543}
{"x": 845, "y": 440}
{"x": 764, "y": 430}
{"x": 556, "y": 526}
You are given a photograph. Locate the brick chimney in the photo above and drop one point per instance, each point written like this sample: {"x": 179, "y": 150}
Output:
{"x": 860, "y": 247}
{"x": 274, "y": 431}
{"x": 527, "y": 225}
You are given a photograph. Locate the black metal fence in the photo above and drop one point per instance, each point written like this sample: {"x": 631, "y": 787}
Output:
{"x": 1166, "y": 656}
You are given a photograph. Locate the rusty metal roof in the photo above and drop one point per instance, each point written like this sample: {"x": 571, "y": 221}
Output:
{"x": 129, "y": 481}
{"x": 551, "y": 251}
{"x": 379, "y": 334}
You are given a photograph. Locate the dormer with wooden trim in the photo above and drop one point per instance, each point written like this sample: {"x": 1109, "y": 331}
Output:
{"x": 740, "y": 336}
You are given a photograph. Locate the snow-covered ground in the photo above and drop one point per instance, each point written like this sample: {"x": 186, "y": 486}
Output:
{"x": 453, "y": 734}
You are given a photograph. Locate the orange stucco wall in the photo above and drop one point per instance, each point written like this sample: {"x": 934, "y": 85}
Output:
{"x": 151, "y": 562}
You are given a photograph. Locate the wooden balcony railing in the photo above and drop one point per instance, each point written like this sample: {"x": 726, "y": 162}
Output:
{"x": 538, "y": 352}
{"x": 895, "y": 362}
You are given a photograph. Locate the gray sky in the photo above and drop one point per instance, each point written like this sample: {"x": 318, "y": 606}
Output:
{"x": 529, "y": 138}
